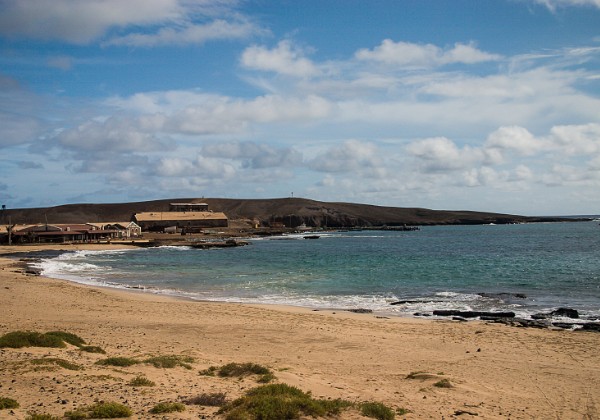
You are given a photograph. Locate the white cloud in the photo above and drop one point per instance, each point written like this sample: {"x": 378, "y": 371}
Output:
{"x": 351, "y": 155}
{"x": 189, "y": 34}
{"x": 81, "y": 22}
{"x": 554, "y": 4}
{"x": 284, "y": 59}
{"x": 406, "y": 54}
{"x": 110, "y": 136}
{"x": 442, "y": 154}
{"x": 514, "y": 138}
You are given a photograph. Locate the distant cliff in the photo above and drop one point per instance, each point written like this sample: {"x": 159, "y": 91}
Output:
{"x": 288, "y": 211}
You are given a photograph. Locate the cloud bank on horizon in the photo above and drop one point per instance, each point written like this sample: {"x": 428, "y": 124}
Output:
{"x": 447, "y": 105}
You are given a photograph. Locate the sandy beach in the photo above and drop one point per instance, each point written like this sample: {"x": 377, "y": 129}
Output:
{"x": 495, "y": 371}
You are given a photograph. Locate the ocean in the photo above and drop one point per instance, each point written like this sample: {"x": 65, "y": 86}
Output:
{"x": 524, "y": 268}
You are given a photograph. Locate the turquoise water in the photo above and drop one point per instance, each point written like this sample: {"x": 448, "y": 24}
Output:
{"x": 441, "y": 267}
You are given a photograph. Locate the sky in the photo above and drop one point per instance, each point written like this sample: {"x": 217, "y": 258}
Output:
{"x": 484, "y": 105}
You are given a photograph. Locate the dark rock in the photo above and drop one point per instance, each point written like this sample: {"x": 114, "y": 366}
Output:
{"x": 458, "y": 318}
{"x": 421, "y": 314}
{"x": 503, "y": 295}
{"x": 568, "y": 312}
{"x": 540, "y": 316}
{"x": 590, "y": 327}
{"x": 474, "y": 314}
{"x": 360, "y": 311}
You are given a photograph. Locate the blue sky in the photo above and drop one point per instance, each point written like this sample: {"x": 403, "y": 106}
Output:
{"x": 476, "y": 105}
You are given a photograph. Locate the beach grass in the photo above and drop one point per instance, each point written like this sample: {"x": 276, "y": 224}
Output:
{"x": 6, "y": 403}
{"x": 65, "y": 364}
{"x": 171, "y": 361}
{"x": 216, "y": 399}
{"x": 141, "y": 381}
{"x": 67, "y": 337}
{"x": 92, "y": 349}
{"x": 101, "y": 410}
{"x": 377, "y": 411}
{"x": 167, "y": 407}
{"x": 19, "y": 339}
{"x": 118, "y": 361}
{"x": 53, "y": 339}
{"x": 280, "y": 401}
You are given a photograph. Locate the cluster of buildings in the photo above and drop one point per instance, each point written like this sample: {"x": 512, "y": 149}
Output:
{"x": 181, "y": 218}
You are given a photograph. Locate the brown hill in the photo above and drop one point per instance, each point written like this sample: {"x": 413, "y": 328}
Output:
{"x": 289, "y": 211}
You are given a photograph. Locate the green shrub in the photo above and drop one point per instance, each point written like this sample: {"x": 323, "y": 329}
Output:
{"x": 92, "y": 349}
{"x": 67, "y": 337}
{"x": 8, "y": 403}
{"x": 65, "y": 364}
{"x": 141, "y": 381}
{"x": 280, "y": 401}
{"x": 242, "y": 369}
{"x": 101, "y": 410}
{"x": 36, "y": 416}
{"x": 377, "y": 411}
{"x": 217, "y": 399}
{"x": 117, "y": 361}
{"x": 169, "y": 362}
{"x": 18, "y": 339}
{"x": 76, "y": 415}
{"x": 167, "y": 407}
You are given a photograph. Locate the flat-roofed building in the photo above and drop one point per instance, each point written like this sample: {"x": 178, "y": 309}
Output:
{"x": 188, "y": 220}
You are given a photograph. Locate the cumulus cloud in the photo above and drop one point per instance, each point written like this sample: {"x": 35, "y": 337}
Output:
{"x": 442, "y": 154}
{"x": 351, "y": 155}
{"x": 80, "y": 22}
{"x": 407, "y": 54}
{"x": 284, "y": 59}
{"x": 165, "y": 22}
{"x": 516, "y": 139}
{"x": 254, "y": 155}
{"x": 113, "y": 135}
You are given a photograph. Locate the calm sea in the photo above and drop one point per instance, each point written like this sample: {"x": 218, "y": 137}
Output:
{"x": 525, "y": 268}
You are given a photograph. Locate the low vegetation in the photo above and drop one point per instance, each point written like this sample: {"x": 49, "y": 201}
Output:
{"x": 92, "y": 349}
{"x": 67, "y": 337}
{"x": 377, "y": 411}
{"x": 141, "y": 381}
{"x": 19, "y": 339}
{"x": 280, "y": 401}
{"x": 36, "y": 416}
{"x": 6, "y": 403}
{"x": 238, "y": 370}
{"x": 118, "y": 361}
{"x": 167, "y": 407}
{"x": 217, "y": 399}
{"x": 56, "y": 339}
{"x": 101, "y": 410}
{"x": 65, "y": 364}
{"x": 171, "y": 361}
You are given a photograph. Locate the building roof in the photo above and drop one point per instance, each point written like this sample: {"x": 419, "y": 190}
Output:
{"x": 179, "y": 216}
{"x": 188, "y": 204}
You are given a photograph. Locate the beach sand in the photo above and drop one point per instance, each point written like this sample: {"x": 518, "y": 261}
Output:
{"x": 496, "y": 371}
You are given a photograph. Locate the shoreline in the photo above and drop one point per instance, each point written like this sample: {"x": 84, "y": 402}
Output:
{"x": 495, "y": 371}
{"x": 558, "y": 318}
